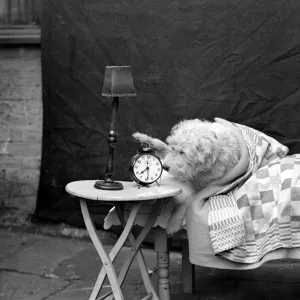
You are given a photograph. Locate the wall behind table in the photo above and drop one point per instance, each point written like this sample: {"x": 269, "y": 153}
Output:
{"x": 190, "y": 59}
{"x": 20, "y": 127}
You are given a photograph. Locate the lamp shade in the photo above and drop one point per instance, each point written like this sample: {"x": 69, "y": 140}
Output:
{"x": 118, "y": 82}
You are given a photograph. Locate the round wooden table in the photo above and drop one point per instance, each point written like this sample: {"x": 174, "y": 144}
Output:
{"x": 85, "y": 190}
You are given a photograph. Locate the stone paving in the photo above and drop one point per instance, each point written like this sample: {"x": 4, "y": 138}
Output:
{"x": 41, "y": 267}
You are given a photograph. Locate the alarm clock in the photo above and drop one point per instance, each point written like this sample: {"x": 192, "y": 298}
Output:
{"x": 145, "y": 167}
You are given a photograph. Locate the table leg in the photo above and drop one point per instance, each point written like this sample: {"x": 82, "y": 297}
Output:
{"x": 163, "y": 272}
{"x": 107, "y": 263}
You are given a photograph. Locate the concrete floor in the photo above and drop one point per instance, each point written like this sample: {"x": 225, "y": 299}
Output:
{"x": 40, "y": 267}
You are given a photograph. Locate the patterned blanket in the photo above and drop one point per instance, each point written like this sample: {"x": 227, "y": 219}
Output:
{"x": 260, "y": 212}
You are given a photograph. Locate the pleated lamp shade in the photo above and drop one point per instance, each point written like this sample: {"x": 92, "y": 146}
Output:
{"x": 118, "y": 82}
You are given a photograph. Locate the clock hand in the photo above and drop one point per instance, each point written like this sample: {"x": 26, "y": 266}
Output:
{"x": 147, "y": 168}
{"x": 144, "y": 170}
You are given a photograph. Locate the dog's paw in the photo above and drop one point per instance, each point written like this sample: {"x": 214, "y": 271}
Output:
{"x": 174, "y": 225}
{"x": 141, "y": 138}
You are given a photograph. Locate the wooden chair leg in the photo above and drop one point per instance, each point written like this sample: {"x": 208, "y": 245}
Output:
{"x": 188, "y": 269}
{"x": 163, "y": 272}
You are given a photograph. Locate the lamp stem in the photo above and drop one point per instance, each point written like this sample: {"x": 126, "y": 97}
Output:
{"x": 109, "y": 183}
{"x": 112, "y": 141}
{"x": 114, "y": 115}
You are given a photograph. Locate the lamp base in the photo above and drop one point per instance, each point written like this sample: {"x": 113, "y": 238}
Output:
{"x": 108, "y": 185}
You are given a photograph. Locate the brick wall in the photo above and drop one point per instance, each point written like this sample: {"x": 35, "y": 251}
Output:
{"x": 20, "y": 126}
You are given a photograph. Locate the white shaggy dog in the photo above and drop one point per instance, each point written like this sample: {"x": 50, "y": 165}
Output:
{"x": 206, "y": 155}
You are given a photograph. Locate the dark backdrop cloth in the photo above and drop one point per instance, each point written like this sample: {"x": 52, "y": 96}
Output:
{"x": 237, "y": 59}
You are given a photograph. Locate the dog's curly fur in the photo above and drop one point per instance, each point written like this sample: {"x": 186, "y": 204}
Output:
{"x": 197, "y": 151}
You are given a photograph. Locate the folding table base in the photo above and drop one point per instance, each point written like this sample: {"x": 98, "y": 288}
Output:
{"x": 108, "y": 258}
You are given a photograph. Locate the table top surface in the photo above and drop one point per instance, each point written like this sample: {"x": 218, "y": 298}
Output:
{"x": 85, "y": 189}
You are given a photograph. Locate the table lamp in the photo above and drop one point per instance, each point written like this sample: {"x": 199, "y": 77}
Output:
{"x": 117, "y": 83}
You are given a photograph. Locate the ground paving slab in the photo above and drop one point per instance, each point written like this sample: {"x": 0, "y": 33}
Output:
{"x": 42, "y": 267}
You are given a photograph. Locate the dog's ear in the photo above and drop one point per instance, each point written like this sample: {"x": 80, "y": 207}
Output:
{"x": 201, "y": 152}
{"x": 204, "y": 150}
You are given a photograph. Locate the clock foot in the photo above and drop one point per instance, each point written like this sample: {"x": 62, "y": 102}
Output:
{"x": 108, "y": 185}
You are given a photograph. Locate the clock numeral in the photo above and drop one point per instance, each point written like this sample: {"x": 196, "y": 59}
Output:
{"x": 147, "y": 179}
{"x": 136, "y": 167}
{"x": 157, "y": 164}
{"x": 148, "y": 156}
{"x": 158, "y": 169}
{"x": 143, "y": 157}
{"x": 139, "y": 161}
{"x": 151, "y": 178}
{"x": 137, "y": 173}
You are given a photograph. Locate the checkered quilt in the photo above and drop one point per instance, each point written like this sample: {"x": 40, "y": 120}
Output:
{"x": 260, "y": 212}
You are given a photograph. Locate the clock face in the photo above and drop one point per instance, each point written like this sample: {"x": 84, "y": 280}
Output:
{"x": 147, "y": 168}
